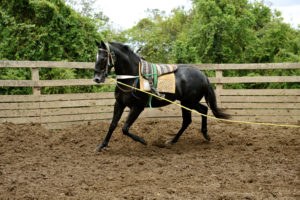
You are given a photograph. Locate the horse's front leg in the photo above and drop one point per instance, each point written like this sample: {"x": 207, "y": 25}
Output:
{"x": 118, "y": 111}
{"x": 133, "y": 115}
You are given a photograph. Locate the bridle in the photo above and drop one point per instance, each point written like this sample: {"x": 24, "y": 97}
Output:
{"x": 110, "y": 59}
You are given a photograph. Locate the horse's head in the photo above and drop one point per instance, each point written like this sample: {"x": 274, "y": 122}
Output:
{"x": 104, "y": 62}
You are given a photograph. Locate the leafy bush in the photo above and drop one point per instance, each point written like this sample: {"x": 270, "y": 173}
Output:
{"x": 45, "y": 30}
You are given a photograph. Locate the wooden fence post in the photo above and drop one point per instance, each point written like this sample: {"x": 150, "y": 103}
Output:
{"x": 35, "y": 76}
{"x": 219, "y": 86}
{"x": 36, "y": 90}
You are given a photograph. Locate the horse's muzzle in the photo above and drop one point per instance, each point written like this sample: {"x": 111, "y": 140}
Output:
{"x": 99, "y": 78}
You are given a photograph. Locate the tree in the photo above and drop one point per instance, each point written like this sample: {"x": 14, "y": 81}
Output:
{"x": 154, "y": 35}
{"x": 45, "y": 30}
{"x": 217, "y": 31}
{"x": 87, "y": 8}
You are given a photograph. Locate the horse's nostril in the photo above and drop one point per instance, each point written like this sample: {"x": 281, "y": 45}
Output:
{"x": 97, "y": 79}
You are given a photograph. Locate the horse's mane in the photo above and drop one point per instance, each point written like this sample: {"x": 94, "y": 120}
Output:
{"x": 123, "y": 47}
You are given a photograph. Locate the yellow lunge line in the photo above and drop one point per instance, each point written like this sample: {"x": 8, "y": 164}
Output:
{"x": 225, "y": 120}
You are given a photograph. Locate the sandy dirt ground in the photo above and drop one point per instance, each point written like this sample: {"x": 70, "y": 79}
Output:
{"x": 240, "y": 162}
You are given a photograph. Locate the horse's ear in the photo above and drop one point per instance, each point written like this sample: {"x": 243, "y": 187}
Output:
{"x": 100, "y": 44}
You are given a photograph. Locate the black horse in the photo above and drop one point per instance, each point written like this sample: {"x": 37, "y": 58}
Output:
{"x": 191, "y": 86}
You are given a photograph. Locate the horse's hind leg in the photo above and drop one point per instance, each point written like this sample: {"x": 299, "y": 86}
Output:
{"x": 204, "y": 110}
{"x": 118, "y": 110}
{"x": 187, "y": 119}
{"x": 133, "y": 115}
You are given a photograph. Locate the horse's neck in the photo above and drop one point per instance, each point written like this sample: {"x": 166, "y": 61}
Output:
{"x": 127, "y": 63}
{"x": 128, "y": 67}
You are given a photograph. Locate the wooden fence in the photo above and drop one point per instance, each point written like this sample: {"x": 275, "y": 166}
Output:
{"x": 60, "y": 110}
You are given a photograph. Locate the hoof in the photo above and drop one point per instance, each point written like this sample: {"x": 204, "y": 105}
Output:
{"x": 100, "y": 147}
{"x": 171, "y": 142}
{"x": 143, "y": 141}
{"x": 206, "y": 136}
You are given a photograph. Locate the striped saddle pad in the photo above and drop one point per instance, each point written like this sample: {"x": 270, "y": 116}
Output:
{"x": 165, "y": 74}
{"x": 147, "y": 69}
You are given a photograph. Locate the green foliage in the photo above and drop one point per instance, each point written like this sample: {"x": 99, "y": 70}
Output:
{"x": 213, "y": 31}
{"x": 217, "y": 31}
{"x": 154, "y": 35}
{"x": 220, "y": 31}
{"x": 46, "y": 30}
{"x": 16, "y": 74}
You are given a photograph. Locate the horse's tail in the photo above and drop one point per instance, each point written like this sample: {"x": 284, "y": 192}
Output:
{"x": 211, "y": 101}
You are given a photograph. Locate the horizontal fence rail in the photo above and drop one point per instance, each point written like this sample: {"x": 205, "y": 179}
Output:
{"x": 59, "y": 110}
{"x": 90, "y": 65}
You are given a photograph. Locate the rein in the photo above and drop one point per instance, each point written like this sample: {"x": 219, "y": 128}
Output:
{"x": 123, "y": 90}
{"x": 134, "y": 83}
{"x": 123, "y": 77}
